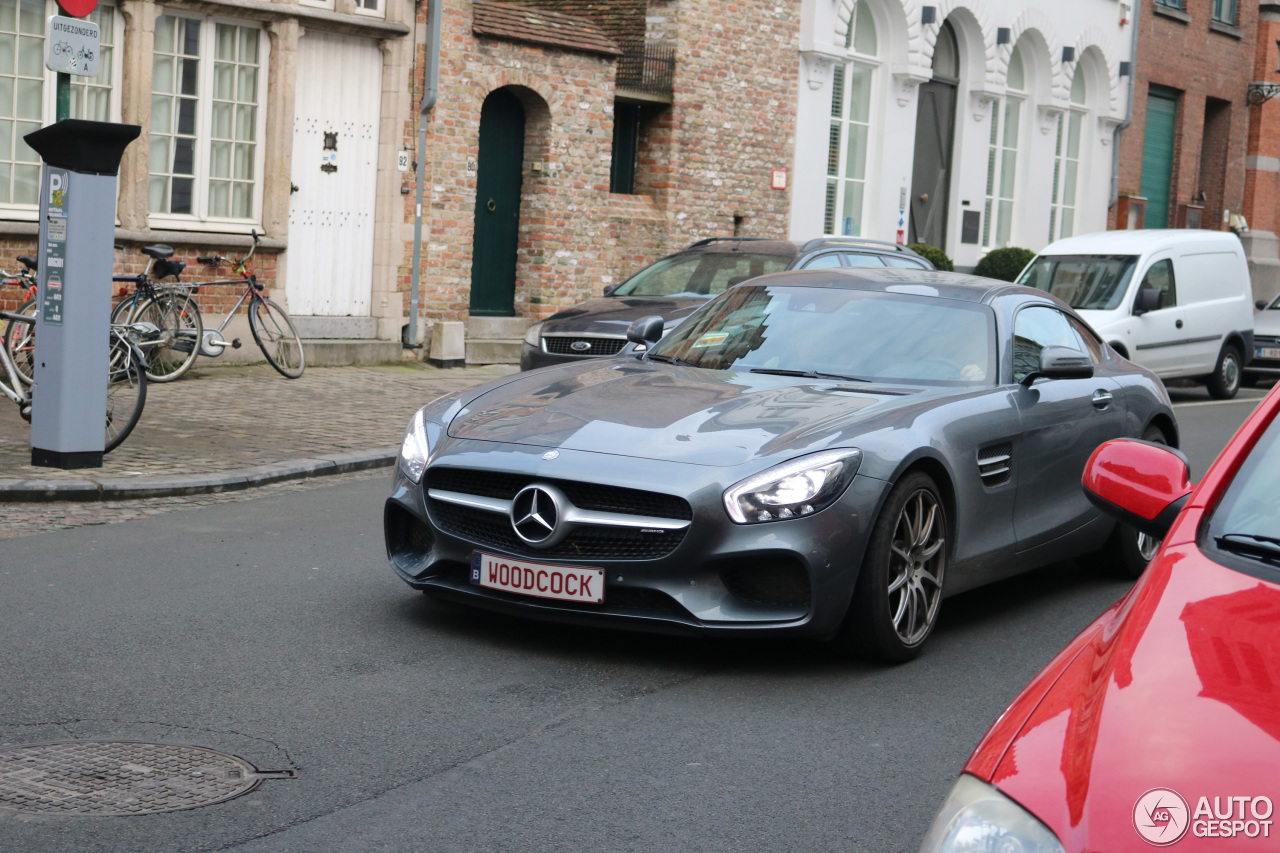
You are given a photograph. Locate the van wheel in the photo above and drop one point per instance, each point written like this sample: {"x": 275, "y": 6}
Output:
{"x": 1224, "y": 382}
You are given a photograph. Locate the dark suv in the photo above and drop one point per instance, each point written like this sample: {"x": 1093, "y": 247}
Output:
{"x": 677, "y": 284}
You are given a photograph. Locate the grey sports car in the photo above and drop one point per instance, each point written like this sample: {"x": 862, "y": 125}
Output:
{"x": 824, "y": 453}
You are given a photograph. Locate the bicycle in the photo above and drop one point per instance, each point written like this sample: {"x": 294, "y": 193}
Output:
{"x": 126, "y": 378}
{"x": 169, "y": 307}
{"x": 270, "y": 324}
{"x": 19, "y": 339}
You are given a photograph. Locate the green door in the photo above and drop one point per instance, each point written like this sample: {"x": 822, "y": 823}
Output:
{"x": 1157, "y": 156}
{"x": 493, "y": 253}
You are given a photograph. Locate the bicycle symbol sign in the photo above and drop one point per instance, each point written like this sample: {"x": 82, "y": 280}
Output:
{"x": 73, "y": 46}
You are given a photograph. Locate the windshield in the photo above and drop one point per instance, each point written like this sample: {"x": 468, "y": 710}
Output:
{"x": 838, "y": 333}
{"x": 700, "y": 273}
{"x": 1246, "y": 522}
{"x": 1085, "y": 282}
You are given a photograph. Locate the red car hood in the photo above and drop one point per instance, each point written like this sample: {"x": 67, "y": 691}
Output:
{"x": 1176, "y": 687}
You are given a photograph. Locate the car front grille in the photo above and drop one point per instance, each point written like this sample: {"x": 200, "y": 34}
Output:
{"x": 595, "y": 346}
{"x": 780, "y": 581}
{"x": 1266, "y": 341}
{"x": 493, "y": 529}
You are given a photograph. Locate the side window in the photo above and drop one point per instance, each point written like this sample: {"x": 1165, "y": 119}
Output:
{"x": 852, "y": 260}
{"x": 1088, "y": 342}
{"x": 822, "y": 262}
{"x": 730, "y": 271}
{"x": 1034, "y": 329}
{"x": 1160, "y": 277}
{"x": 904, "y": 261}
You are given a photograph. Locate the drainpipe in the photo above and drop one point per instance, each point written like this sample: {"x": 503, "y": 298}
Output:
{"x": 429, "y": 89}
{"x": 1128, "y": 117}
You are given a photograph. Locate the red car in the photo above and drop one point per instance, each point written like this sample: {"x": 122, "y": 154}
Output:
{"x": 1160, "y": 724}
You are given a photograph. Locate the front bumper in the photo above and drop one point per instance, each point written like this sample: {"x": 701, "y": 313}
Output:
{"x": 790, "y": 577}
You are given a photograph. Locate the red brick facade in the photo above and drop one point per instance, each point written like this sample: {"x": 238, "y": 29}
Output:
{"x": 1210, "y": 64}
{"x": 1262, "y": 178}
{"x": 703, "y": 165}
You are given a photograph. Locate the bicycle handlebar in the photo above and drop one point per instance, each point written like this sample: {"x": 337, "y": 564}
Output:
{"x": 220, "y": 259}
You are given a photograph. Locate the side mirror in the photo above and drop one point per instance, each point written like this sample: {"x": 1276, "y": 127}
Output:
{"x": 1261, "y": 305}
{"x": 1061, "y": 363}
{"x": 1149, "y": 299}
{"x": 1142, "y": 484}
{"x": 646, "y": 330}
{"x": 610, "y": 288}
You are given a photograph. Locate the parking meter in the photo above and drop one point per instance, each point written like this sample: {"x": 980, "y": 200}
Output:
{"x": 73, "y": 304}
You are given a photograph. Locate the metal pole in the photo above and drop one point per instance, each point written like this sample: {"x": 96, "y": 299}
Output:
{"x": 63, "y": 88}
{"x": 429, "y": 89}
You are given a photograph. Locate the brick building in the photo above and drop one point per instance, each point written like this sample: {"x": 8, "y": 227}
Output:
{"x": 576, "y": 140}
{"x": 1262, "y": 162}
{"x": 1182, "y": 160}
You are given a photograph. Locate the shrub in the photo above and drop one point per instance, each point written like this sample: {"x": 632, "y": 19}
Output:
{"x": 1004, "y": 264}
{"x": 933, "y": 255}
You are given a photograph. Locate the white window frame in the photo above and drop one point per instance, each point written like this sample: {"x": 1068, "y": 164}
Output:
{"x": 49, "y": 102}
{"x": 995, "y": 170}
{"x": 872, "y": 65}
{"x": 319, "y": 4}
{"x": 204, "y": 119}
{"x": 380, "y": 11}
{"x": 1057, "y": 200}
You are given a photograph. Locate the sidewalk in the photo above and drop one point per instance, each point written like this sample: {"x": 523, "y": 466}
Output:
{"x": 228, "y": 428}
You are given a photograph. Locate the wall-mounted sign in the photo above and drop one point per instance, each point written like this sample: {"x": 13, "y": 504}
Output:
{"x": 72, "y": 46}
{"x": 779, "y": 179}
{"x": 402, "y": 160}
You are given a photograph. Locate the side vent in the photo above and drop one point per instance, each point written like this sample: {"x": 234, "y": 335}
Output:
{"x": 994, "y": 462}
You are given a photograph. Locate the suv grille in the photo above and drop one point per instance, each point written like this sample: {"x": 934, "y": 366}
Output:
{"x": 595, "y": 346}
{"x": 493, "y": 529}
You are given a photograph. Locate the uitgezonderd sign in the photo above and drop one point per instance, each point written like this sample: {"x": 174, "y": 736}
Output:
{"x": 72, "y": 46}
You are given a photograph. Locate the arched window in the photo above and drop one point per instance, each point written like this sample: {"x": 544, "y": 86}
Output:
{"x": 1066, "y": 163}
{"x": 851, "y": 125}
{"x": 1002, "y": 157}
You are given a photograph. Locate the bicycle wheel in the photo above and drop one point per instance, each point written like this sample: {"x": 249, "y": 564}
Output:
{"x": 123, "y": 310}
{"x": 178, "y": 318}
{"x": 274, "y": 332}
{"x": 19, "y": 341}
{"x": 126, "y": 392}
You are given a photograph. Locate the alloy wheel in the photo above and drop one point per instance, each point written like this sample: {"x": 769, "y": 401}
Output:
{"x": 917, "y": 563}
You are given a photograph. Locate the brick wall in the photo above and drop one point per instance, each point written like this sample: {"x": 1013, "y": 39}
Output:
{"x": 704, "y": 159}
{"x": 1262, "y": 185}
{"x": 1184, "y": 52}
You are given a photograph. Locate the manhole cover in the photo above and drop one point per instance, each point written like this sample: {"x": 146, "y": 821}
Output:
{"x": 116, "y": 778}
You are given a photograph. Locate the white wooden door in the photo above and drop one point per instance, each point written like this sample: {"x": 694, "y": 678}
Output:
{"x": 339, "y": 98}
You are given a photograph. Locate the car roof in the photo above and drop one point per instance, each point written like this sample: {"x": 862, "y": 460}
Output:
{"x": 945, "y": 285}
{"x": 788, "y": 248}
{"x": 1135, "y": 242}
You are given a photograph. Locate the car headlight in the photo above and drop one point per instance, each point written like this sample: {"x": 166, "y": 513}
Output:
{"x": 533, "y": 337}
{"x": 799, "y": 487}
{"x": 414, "y": 449}
{"x": 977, "y": 818}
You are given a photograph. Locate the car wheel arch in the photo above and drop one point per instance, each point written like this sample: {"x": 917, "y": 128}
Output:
{"x": 1165, "y": 424}
{"x": 1119, "y": 348}
{"x": 941, "y": 475}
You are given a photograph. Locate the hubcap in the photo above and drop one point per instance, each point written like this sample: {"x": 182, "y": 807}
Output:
{"x": 1147, "y": 546}
{"x": 916, "y": 565}
{"x": 1230, "y": 372}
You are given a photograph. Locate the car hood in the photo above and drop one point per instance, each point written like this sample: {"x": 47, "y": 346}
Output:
{"x": 611, "y": 315}
{"x": 1267, "y": 322}
{"x": 684, "y": 414}
{"x": 1178, "y": 689}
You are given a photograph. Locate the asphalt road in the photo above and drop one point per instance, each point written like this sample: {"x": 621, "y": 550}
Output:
{"x": 271, "y": 628}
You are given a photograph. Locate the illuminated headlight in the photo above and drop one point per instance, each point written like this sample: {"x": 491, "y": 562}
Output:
{"x": 977, "y": 818}
{"x": 796, "y": 488}
{"x": 414, "y": 450}
{"x": 533, "y": 337}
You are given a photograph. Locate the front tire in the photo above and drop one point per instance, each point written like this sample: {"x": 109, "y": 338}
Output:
{"x": 899, "y": 592}
{"x": 1224, "y": 382}
{"x": 126, "y": 392}
{"x": 279, "y": 341}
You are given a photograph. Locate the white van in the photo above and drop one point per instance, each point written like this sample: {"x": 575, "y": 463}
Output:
{"x": 1178, "y": 302}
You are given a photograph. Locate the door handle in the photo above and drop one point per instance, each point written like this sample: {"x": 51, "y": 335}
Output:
{"x": 1102, "y": 399}
{"x": 1178, "y": 324}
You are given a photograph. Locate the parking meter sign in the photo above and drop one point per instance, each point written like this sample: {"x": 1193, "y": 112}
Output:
{"x": 54, "y": 250}
{"x": 72, "y": 46}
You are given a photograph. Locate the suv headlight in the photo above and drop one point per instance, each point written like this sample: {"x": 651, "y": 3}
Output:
{"x": 799, "y": 487}
{"x": 414, "y": 450}
{"x": 533, "y": 337}
{"x": 977, "y": 818}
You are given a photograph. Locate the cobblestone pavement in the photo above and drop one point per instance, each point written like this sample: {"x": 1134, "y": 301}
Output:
{"x": 230, "y": 418}
{"x": 25, "y": 519}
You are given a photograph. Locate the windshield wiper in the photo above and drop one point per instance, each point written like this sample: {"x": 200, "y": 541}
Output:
{"x": 668, "y": 359}
{"x": 806, "y": 374}
{"x": 1266, "y": 548}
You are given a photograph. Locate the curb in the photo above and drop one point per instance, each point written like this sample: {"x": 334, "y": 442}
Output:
{"x": 132, "y": 488}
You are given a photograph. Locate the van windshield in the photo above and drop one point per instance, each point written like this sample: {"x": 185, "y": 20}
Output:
{"x": 1085, "y": 282}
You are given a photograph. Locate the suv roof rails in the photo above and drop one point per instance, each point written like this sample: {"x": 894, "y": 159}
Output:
{"x": 854, "y": 241}
{"x": 708, "y": 241}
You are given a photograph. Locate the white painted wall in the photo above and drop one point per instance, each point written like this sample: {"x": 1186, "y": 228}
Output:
{"x": 904, "y": 60}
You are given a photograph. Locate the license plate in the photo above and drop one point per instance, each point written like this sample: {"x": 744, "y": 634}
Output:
{"x": 540, "y": 580}
{"x": 1268, "y": 352}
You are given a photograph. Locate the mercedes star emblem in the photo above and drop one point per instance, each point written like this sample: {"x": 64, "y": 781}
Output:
{"x": 535, "y": 515}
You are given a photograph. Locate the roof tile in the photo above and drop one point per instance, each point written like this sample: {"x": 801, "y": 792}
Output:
{"x": 540, "y": 26}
